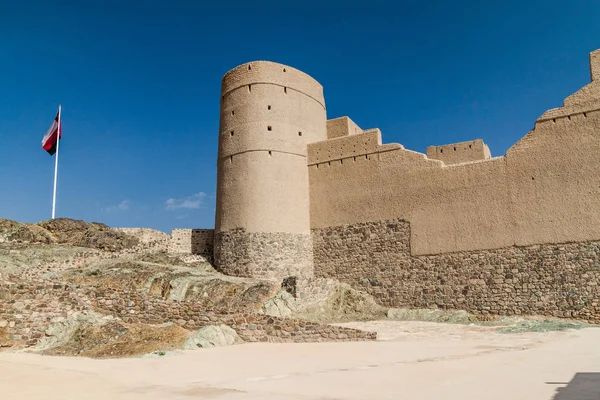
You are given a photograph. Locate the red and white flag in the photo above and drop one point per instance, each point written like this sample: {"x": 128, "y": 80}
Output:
{"x": 54, "y": 134}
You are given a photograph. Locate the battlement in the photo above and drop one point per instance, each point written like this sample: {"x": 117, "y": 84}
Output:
{"x": 344, "y": 147}
{"x": 583, "y": 101}
{"x": 343, "y": 126}
{"x": 457, "y": 153}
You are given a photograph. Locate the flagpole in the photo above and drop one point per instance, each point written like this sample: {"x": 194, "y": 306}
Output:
{"x": 59, "y": 131}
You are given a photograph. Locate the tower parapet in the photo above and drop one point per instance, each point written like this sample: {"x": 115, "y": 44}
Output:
{"x": 269, "y": 114}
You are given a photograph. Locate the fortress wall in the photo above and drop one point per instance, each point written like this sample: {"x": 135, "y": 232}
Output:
{"x": 456, "y": 153}
{"x": 554, "y": 181}
{"x": 150, "y": 240}
{"x": 344, "y": 147}
{"x": 560, "y": 280}
{"x": 269, "y": 113}
{"x": 192, "y": 241}
{"x": 584, "y": 100}
{"x": 545, "y": 190}
{"x": 450, "y": 208}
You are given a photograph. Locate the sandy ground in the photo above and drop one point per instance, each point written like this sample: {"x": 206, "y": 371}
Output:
{"x": 412, "y": 360}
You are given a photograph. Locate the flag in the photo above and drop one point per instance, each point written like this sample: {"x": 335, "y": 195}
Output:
{"x": 53, "y": 135}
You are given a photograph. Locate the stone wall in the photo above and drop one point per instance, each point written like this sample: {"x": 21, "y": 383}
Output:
{"x": 193, "y": 241}
{"x": 27, "y": 310}
{"x": 150, "y": 240}
{"x": 561, "y": 280}
{"x": 272, "y": 256}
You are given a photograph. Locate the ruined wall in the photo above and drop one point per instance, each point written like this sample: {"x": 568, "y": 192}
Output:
{"x": 457, "y": 153}
{"x": 546, "y": 189}
{"x": 269, "y": 112}
{"x": 150, "y": 240}
{"x": 561, "y": 280}
{"x": 193, "y": 241}
{"x": 27, "y": 310}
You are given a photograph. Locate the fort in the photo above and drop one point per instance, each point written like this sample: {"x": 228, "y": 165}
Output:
{"x": 302, "y": 196}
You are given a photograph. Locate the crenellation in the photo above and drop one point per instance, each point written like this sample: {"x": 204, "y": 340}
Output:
{"x": 456, "y": 153}
{"x": 343, "y": 126}
{"x": 558, "y": 114}
{"x": 344, "y": 147}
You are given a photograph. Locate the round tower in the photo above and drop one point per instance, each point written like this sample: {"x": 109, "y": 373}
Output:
{"x": 269, "y": 113}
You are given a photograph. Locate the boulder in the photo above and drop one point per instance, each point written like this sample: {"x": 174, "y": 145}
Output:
{"x": 213, "y": 336}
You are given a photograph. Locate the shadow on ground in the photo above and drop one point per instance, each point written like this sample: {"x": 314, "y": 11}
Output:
{"x": 583, "y": 386}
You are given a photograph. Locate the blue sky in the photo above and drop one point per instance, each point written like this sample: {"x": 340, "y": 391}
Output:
{"x": 139, "y": 82}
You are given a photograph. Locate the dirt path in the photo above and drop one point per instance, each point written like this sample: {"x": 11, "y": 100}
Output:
{"x": 415, "y": 360}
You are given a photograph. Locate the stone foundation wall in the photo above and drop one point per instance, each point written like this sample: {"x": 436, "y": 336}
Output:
{"x": 561, "y": 280}
{"x": 28, "y": 310}
{"x": 193, "y": 241}
{"x": 272, "y": 256}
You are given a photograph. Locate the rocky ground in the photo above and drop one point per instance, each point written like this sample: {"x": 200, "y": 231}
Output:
{"x": 74, "y": 288}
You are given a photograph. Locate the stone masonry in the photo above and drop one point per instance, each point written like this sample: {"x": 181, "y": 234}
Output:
{"x": 27, "y": 310}
{"x": 193, "y": 241}
{"x": 560, "y": 280}
{"x": 272, "y": 256}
